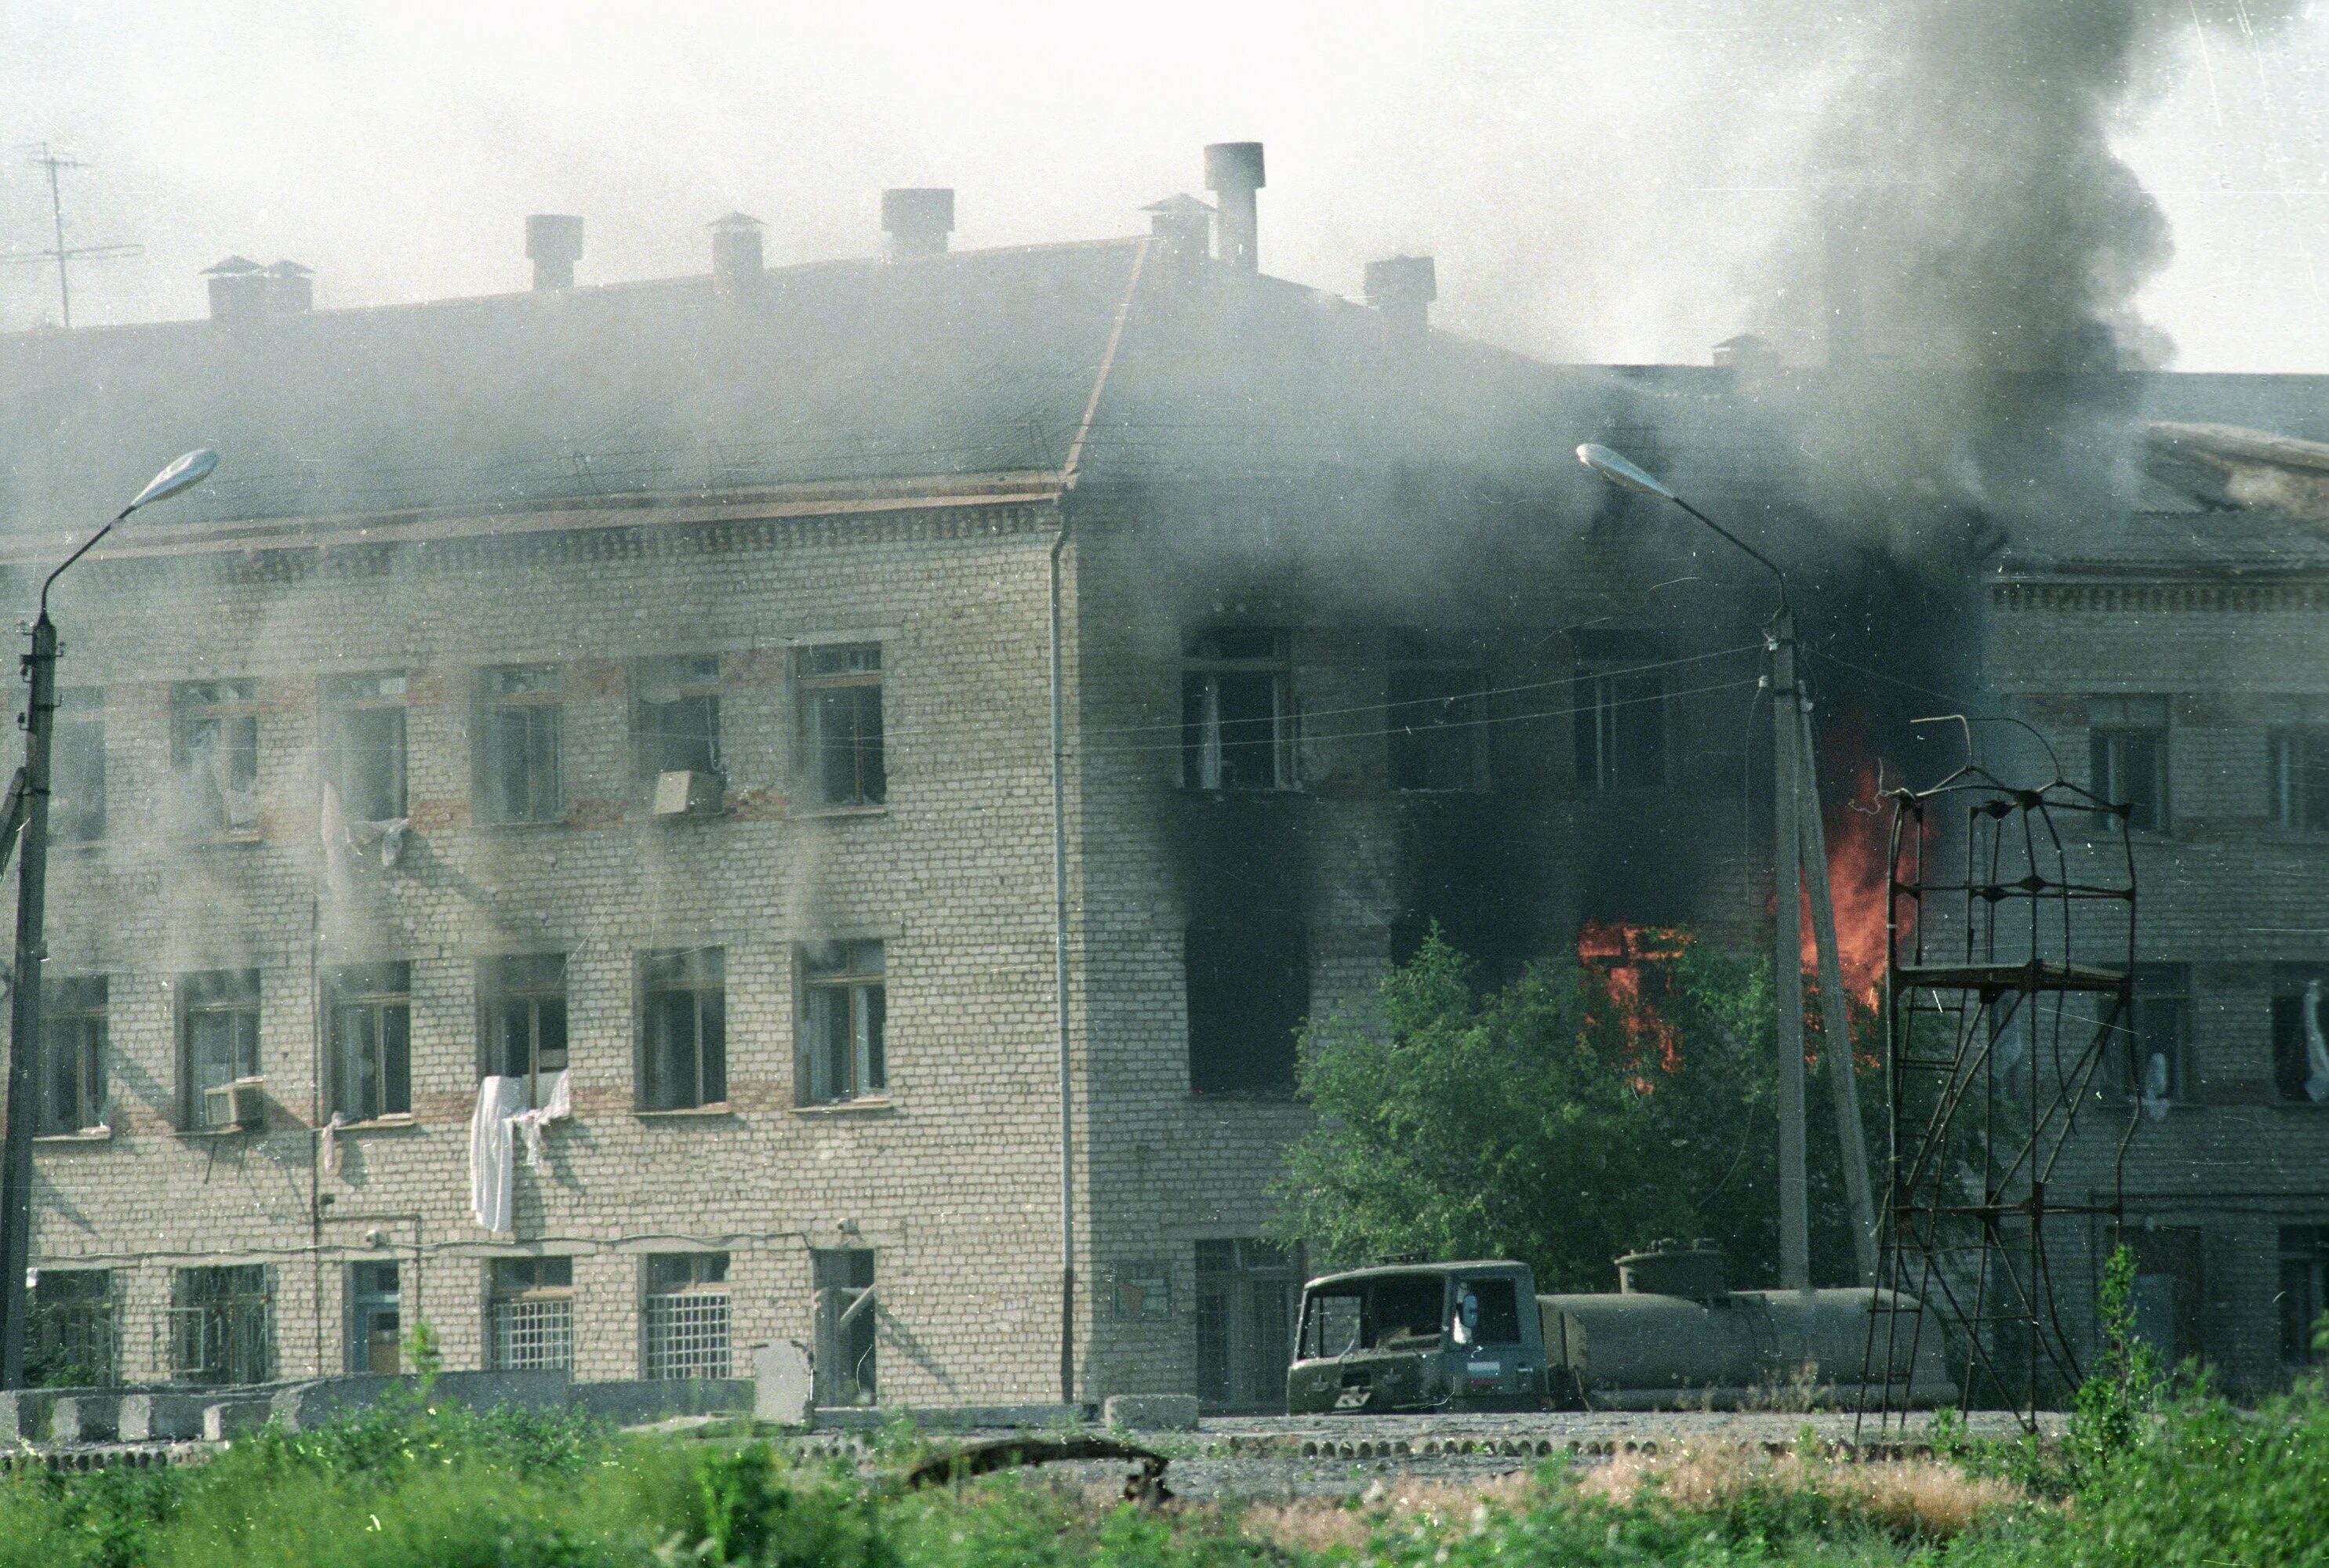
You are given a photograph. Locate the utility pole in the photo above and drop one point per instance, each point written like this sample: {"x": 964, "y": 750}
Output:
{"x": 1787, "y": 955}
{"x": 46, "y": 158}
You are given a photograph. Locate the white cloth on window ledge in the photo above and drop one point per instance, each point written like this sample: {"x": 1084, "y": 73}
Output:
{"x": 2317, "y": 1050}
{"x": 557, "y": 1105}
{"x": 492, "y": 1154}
{"x": 332, "y": 1142}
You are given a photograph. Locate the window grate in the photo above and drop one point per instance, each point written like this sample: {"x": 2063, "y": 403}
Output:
{"x": 687, "y": 1335}
{"x": 537, "y": 1335}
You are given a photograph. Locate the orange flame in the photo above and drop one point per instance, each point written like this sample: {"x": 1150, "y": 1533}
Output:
{"x": 1621, "y": 954}
{"x": 1859, "y": 840}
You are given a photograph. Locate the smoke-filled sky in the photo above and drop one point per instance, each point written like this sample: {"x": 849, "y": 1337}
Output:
{"x": 1619, "y": 180}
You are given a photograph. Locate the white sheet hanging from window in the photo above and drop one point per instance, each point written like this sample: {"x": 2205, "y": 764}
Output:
{"x": 492, "y": 1151}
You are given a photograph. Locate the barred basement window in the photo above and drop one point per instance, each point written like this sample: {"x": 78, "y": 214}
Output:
{"x": 73, "y": 1338}
{"x": 844, "y": 1010}
{"x": 518, "y": 736}
{"x": 675, "y": 715}
{"x": 841, "y": 724}
{"x": 76, "y": 768}
{"x": 687, "y": 1315}
{"x": 363, "y": 745}
{"x": 218, "y": 1040}
{"x": 214, "y": 749}
{"x": 683, "y": 1049}
{"x": 219, "y": 1326}
{"x": 2297, "y": 764}
{"x": 370, "y": 1029}
{"x": 1238, "y": 720}
{"x": 74, "y": 1032}
{"x": 521, "y": 1000}
{"x": 529, "y": 1314}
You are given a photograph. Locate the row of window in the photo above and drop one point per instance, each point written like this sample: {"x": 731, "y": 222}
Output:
{"x": 519, "y": 731}
{"x": 2155, "y": 1056}
{"x": 219, "y": 1326}
{"x": 2128, "y": 762}
{"x": 841, "y": 1053}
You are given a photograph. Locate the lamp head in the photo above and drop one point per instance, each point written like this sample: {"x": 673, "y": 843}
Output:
{"x": 1618, "y": 470}
{"x": 183, "y": 474}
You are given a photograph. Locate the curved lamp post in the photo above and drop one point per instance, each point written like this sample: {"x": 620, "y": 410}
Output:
{"x": 26, "y": 809}
{"x": 1799, "y": 862}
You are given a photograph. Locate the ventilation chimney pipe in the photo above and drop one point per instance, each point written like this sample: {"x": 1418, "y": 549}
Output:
{"x": 1750, "y": 359}
{"x": 238, "y": 290}
{"x": 554, "y": 243}
{"x": 917, "y": 220}
{"x": 736, "y": 266}
{"x": 1402, "y": 289}
{"x": 1233, "y": 173}
{"x": 290, "y": 288}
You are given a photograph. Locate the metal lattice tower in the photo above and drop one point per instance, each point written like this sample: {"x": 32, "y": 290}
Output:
{"x": 2010, "y": 941}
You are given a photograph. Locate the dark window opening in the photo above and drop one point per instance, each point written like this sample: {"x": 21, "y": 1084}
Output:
{"x": 2300, "y": 1034}
{"x": 375, "y": 1319}
{"x": 846, "y": 1366}
{"x": 1249, "y": 991}
{"x": 523, "y": 1000}
{"x": 74, "y": 1031}
{"x": 841, "y": 725}
{"x": 675, "y": 715}
{"x": 2127, "y": 754}
{"x": 686, "y": 1029}
{"x": 2297, "y": 761}
{"x": 76, "y": 768}
{"x": 218, "y": 1041}
{"x": 364, "y": 746}
{"x": 843, "y": 1054}
{"x": 518, "y": 763}
{"x": 2156, "y": 1046}
{"x": 1620, "y": 721}
{"x": 370, "y": 1030}
{"x": 2304, "y": 1292}
{"x": 1238, "y": 720}
{"x": 1439, "y": 711}
{"x": 73, "y": 1336}
{"x": 215, "y": 748}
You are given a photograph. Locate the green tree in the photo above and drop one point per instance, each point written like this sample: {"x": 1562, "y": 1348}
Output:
{"x": 1560, "y": 1121}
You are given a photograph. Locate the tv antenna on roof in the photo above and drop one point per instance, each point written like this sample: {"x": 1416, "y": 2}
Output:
{"x": 44, "y": 156}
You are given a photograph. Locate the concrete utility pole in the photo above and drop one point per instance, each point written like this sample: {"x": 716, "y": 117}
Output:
{"x": 1798, "y": 862}
{"x": 32, "y": 798}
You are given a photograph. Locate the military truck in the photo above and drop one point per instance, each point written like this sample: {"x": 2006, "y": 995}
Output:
{"x": 1476, "y": 1336}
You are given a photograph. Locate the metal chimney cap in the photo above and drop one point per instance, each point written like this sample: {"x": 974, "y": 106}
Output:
{"x": 232, "y": 267}
{"x": 287, "y": 267}
{"x": 1233, "y": 167}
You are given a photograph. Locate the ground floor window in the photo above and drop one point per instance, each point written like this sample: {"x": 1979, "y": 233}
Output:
{"x": 73, "y": 1338}
{"x": 219, "y": 1326}
{"x": 2303, "y": 1290}
{"x": 375, "y": 1319}
{"x": 1247, "y": 1293}
{"x": 846, "y": 1322}
{"x": 687, "y": 1315}
{"x": 531, "y": 1314}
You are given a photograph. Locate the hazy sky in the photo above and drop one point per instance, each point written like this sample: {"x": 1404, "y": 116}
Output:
{"x": 1598, "y": 179}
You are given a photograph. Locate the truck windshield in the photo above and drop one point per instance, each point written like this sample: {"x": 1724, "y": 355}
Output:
{"x": 1487, "y": 1312}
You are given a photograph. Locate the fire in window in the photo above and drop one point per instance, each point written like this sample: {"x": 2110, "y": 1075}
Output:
{"x": 1237, "y": 720}
{"x": 522, "y": 999}
{"x": 518, "y": 771}
{"x": 214, "y": 748}
{"x": 76, "y": 768}
{"x": 529, "y": 1314}
{"x": 2126, "y": 747}
{"x": 364, "y": 746}
{"x": 73, "y": 1033}
{"x": 1249, "y": 989}
{"x": 675, "y": 715}
{"x": 369, "y": 1029}
{"x": 2297, "y": 761}
{"x": 219, "y": 1041}
{"x": 1620, "y": 718}
{"x": 843, "y": 1008}
{"x": 685, "y": 1019}
{"x": 841, "y": 724}
{"x": 687, "y": 1315}
{"x": 1438, "y": 710}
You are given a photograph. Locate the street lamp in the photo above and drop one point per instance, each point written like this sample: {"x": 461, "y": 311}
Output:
{"x": 1799, "y": 860}
{"x": 26, "y": 809}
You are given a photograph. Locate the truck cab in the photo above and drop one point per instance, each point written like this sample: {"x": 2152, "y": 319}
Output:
{"x": 1419, "y": 1337}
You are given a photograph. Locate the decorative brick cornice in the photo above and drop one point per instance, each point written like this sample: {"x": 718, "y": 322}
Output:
{"x": 2160, "y": 597}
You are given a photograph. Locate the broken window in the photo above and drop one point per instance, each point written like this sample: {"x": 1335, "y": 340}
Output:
{"x": 375, "y": 1318}
{"x": 2304, "y": 1290}
{"x": 2297, "y": 764}
{"x": 1620, "y": 718}
{"x": 1248, "y": 990}
{"x": 2127, "y": 750}
{"x": 221, "y": 1324}
{"x": 73, "y": 1337}
{"x": 76, "y": 768}
{"x": 675, "y": 715}
{"x": 521, "y": 997}
{"x": 843, "y": 1006}
{"x": 1248, "y": 1291}
{"x": 529, "y": 1314}
{"x": 370, "y": 1032}
{"x": 518, "y": 771}
{"x": 687, "y": 1315}
{"x": 685, "y": 1018}
{"x": 1438, "y": 710}
{"x": 74, "y": 1030}
{"x": 364, "y": 746}
{"x": 2300, "y": 1033}
{"x": 841, "y": 724}
{"x": 214, "y": 748}
{"x": 1142, "y": 1291}
{"x": 218, "y": 1042}
{"x": 2157, "y": 1038}
{"x": 1238, "y": 721}
{"x": 844, "y": 1362}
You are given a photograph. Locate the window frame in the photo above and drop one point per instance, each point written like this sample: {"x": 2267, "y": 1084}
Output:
{"x": 1415, "y": 725}
{"x": 690, "y": 979}
{"x": 1607, "y": 753}
{"x": 345, "y": 998}
{"x": 2289, "y": 1060}
{"x": 861, "y": 670}
{"x": 83, "y": 1004}
{"x": 2114, "y": 725}
{"x": 2295, "y": 757}
{"x": 344, "y": 702}
{"x": 2303, "y": 1258}
{"x": 194, "y": 704}
{"x": 503, "y": 980}
{"x": 234, "y": 994}
{"x": 76, "y": 728}
{"x": 707, "y": 1281}
{"x": 661, "y": 683}
{"x": 505, "y": 1298}
{"x": 2159, "y": 988}
{"x": 1211, "y": 656}
{"x": 513, "y": 713}
{"x": 864, "y": 989}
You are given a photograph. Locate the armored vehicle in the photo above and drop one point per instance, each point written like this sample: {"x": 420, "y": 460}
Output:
{"x": 1475, "y": 1336}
